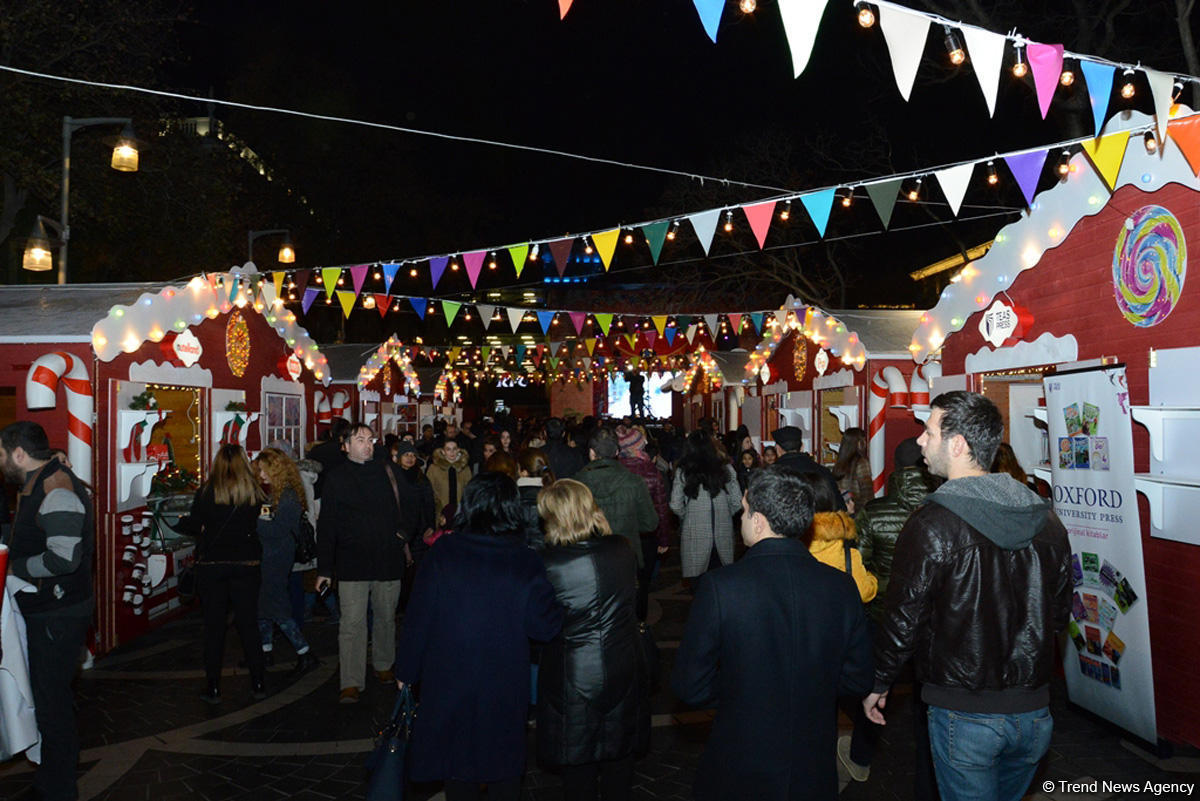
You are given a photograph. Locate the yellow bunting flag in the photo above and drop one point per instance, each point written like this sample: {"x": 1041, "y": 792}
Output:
{"x": 591, "y": 346}
{"x": 330, "y": 276}
{"x": 454, "y": 354}
{"x": 660, "y": 322}
{"x": 519, "y": 255}
{"x": 606, "y": 245}
{"x": 278, "y": 278}
{"x": 346, "y": 298}
{"x": 631, "y": 339}
{"x": 1106, "y": 154}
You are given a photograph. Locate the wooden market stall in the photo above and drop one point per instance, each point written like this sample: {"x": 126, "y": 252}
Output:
{"x": 141, "y": 384}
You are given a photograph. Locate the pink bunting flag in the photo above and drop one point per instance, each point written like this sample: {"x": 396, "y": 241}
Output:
{"x": 735, "y": 321}
{"x": 578, "y": 319}
{"x": 474, "y": 263}
{"x": 563, "y": 7}
{"x": 759, "y": 215}
{"x": 650, "y": 337}
{"x": 358, "y": 274}
{"x": 1046, "y": 61}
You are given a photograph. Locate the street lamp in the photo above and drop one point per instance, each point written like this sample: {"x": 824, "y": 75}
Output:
{"x": 124, "y": 159}
{"x": 287, "y": 253}
{"x": 38, "y": 257}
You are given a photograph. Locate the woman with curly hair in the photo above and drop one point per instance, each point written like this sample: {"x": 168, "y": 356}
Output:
{"x": 277, "y": 531}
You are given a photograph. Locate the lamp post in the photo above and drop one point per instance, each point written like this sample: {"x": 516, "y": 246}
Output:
{"x": 124, "y": 159}
{"x": 287, "y": 253}
{"x": 38, "y": 257}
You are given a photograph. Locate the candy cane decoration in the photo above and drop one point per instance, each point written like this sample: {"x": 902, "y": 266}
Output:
{"x": 41, "y": 386}
{"x": 921, "y": 378}
{"x": 340, "y": 402}
{"x": 888, "y": 388}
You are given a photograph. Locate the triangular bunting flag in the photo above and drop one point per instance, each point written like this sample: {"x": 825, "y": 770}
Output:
{"x": 1046, "y": 63}
{"x": 905, "y": 32}
{"x": 556, "y": 348}
{"x": 691, "y": 333}
{"x": 484, "y": 352}
{"x": 883, "y": 198}
{"x": 346, "y": 298}
{"x": 301, "y": 278}
{"x": 954, "y": 181}
{"x": 545, "y": 318}
{"x": 1106, "y": 154}
{"x": 710, "y": 15}
{"x": 485, "y": 314}
{"x": 515, "y": 316}
{"x": 987, "y": 54}
{"x": 419, "y": 305}
{"x": 455, "y": 352}
{"x": 561, "y": 251}
{"x": 330, "y": 276}
{"x": 650, "y": 337}
{"x": 358, "y": 274}
{"x": 474, "y": 263}
{"x": 382, "y": 304}
{"x": 801, "y": 18}
{"x": 1099, "y": 78}
{"x": 1162, "y": 86}
{"x": 591, "y": 346}
{"x": 277, "y": 280}
{"x": 705, "y": 225}
{"x": 656, "y": 235}
{"x": 606, "y": 245}
{"x": 232, "y": 284}
{"x": 632, "y": 340}
{"x": 710, "y": 320}
{"x": 450, "y": 310}
{"x": 437, "y": 266}
{"x": 553, "y": 360}
{"x": 818, "y": 206}
{"x": 670, "y": 334}
{"x": 309, "y": 296}
{"x": 604, "y": 320}
{"x": 389, "y": 275}
{"x": 682, "y": 321}
{"x": 757, "y": 319}
{"x": 520, "y": 353}
{"x": 577, "y": 320}
{"x": 1186, "y": 134}
{"x": 563, "y": 7}
{"x": 735, "y": 323}
{"x": 660, "y": 322}
{"x": 759, "y": 215}
{"x": 267, "y": 292}
{"x": 1027, "y": 169}
{"x": 519, "y": 255}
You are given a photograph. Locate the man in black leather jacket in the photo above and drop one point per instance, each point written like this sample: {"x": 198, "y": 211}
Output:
{"x": 980, "y": 584}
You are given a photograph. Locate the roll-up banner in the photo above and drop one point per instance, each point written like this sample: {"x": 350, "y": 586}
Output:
{"x": 1107, "y": 660}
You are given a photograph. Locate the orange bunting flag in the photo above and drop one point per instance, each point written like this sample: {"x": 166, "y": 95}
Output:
{"x": 1186, "y": 134}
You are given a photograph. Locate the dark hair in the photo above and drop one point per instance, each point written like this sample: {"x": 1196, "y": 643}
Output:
{"x": 502, "y": 462}
{"x": 754, "y": 455}
{"x": 604, "y": 442}
{"x": 975, "y": 418}
{"x": 852, "y": 451}
{"x": 29, "y": 437}
{"x": 555, "y": 428}
{"x": 490, "y": 505}
{"x": 339, "y": 430}
{"x": 701, "y": 465}
{"x": 781, "y": 495}
{"x": 354, "y": 428}
{"x": 536, "y": 463}
{"x": 1006, "y": 462}
{"x": 824, "y": 498}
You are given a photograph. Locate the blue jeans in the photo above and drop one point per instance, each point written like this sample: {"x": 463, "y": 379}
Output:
{"x": 985, "y": 755}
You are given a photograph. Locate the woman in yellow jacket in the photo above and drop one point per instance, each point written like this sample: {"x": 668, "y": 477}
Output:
{"x": 832, "y": 538}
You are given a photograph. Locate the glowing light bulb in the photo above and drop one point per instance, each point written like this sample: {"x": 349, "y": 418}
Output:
{"x": 748, "y": 6}
{"x": 728, "y": 221}
{"x": 674, "y": 228}
{"x": 866, "y": 17}
{"x": 1019, "y": 69}
{"x": 915, "y": 192}
{"x": 992, "y": 177}
{"x": 413, "y": 272}
{"x": 848, "y": 198}
{"x": 1067, "y": 77}
{"x": 1127, "y": 89}
{"x": 1151, "y": 142}
{"x": 628, "y": 239}
{"x": 1064, "y": 163}
{"x": 787, "y": 211}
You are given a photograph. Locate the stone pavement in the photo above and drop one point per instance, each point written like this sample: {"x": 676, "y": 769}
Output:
{"x": 146, "y": 734}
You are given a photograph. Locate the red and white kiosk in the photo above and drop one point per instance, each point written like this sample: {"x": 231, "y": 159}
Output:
{"x": 141, "y": 384}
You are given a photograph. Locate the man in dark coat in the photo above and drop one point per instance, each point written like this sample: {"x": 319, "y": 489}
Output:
{"x": 565, "y": 461}
{"x": 771, "y": 641}
{"x": 789, "y": 441}
{"x": 330, "y": 453}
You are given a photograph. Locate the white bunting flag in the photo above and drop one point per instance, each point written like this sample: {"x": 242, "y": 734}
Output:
{"x": 987, "y": 55}
{"x": 1162, "y": 86}
{"x": 905, "y": 34}
{"x": 515, "y": 316}
{"x": 705, "y": 225}
{"x": 801, "y": 18}
{"x": 485, "y": 314}
{"x": 954, "y": 181}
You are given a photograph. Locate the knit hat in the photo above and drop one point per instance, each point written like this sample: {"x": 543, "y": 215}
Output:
{"x": 403, "y": 447}
{"x": 631, "y": 440}
{"x": 908, "y": 453}
{"x": 790, "y": 438}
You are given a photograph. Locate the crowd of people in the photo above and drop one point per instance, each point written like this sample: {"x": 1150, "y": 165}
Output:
{"x": 521, "y": 557}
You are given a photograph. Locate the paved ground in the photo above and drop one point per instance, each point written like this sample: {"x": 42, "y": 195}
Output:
{"x": 147, "y": 735}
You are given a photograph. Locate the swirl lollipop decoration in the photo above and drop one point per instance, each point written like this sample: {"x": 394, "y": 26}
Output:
{"x": 1149, "y": 266}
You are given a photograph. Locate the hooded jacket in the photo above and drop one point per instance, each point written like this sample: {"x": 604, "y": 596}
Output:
{"x": 880, "y": 521}
{"x": 439, "y": 476}
{"x": 980, "y": 584}
{"x": 831, "y": 530}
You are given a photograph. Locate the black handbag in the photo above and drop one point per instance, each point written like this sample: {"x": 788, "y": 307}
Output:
{"x": 385, "y": 765}
{"x": 306, "y": 540}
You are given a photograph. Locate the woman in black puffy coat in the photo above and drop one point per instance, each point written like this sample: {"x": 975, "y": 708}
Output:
{"x": 593, "y": 691}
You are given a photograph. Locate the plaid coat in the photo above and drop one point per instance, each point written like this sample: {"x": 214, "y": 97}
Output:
{"x": 705, "y": 522}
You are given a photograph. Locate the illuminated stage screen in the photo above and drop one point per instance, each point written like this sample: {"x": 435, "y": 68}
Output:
{"x": 658, "y": 401}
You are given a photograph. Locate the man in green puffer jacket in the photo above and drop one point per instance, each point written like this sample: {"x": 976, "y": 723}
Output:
{"x": 880, "y": 521}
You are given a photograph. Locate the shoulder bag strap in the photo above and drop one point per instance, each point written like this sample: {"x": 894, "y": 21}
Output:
{"x": 396, "y": 494}
{"x": 847, "y": 548}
